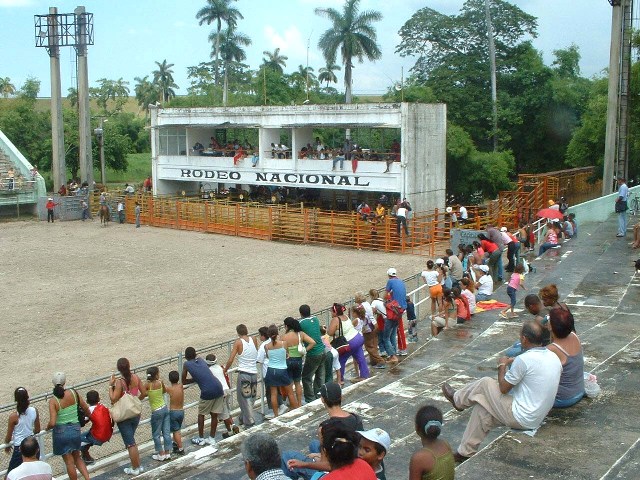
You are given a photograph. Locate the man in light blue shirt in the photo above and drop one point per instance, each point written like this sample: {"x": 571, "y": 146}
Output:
{"x": 621, "y": 207}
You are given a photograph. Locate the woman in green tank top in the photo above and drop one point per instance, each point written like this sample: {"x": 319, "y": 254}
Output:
{"x": 63, "y": 420}
{"x": 160, "y": 421}
{"x": 293, "y": 337}
{"x": 434, "y": 461}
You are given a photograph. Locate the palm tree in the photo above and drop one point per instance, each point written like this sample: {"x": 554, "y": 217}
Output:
{"x": 218, "y": 11}
{"x": 274, "y": 61}
{"x": 146, "y": 92}
{"x": 231, "y": 51}
{"x": 327, "y": 75}
{"x": 353, "y": 34}
{"x": 163, "y": 78}
{"x": 6, "y": 87}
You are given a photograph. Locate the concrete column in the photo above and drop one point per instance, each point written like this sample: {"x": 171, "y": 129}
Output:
{"x": 59, "y": 168}
{"x": 84, "y": 119}
{"x": 612, "y": 101}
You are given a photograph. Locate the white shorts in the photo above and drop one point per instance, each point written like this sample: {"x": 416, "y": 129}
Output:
{"x": 438, "y": 321}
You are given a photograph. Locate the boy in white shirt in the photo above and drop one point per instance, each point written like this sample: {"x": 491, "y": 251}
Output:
{"x": 217, "y": 371}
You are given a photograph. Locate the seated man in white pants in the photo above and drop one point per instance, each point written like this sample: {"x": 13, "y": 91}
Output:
{"x": 534, "y": 377}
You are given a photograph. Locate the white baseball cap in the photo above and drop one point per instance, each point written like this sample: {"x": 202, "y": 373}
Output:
{"x": 377, "y": 435}
{"x": 484, "y": 268}
{"x": 392, "y": 272}
{"x": 503, "y": 229}
{"x": 439, "y": 261}
{"x": 449, "y": 209}
{"x": 59, "y": 378}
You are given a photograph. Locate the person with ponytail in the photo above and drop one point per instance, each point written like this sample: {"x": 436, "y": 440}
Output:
{"x": 353, "y": 337}
{"x": 23, "y": 423}
{"x": 277, "y": 373}
{"x": 63, "y": 420}
{"x": 434, "y": 461}
{"x": 129, "y": 383}
{"x": 340, "y": 448}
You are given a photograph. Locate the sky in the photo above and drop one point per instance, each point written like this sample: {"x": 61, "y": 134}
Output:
{"x": 131, "y": 35}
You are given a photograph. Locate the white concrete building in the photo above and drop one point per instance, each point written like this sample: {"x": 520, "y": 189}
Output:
{"x": 420, "y": 175}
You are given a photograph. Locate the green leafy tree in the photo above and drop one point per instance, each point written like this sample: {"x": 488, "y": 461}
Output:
{"x": 326, "y": 74}
{"x": 30, "y": 88}
{"x": 163, "y": 79}
{"x": 218, "y": 11}
{"x": 72, "y": 96}
{"x": 116, "y": 91}
{"x": 146, "y": 92}
{"x": 274, "y": 61}
{"x": 6, "y": 87}
{"x": 353, "y": 34}
{"x": 231, "y": 51}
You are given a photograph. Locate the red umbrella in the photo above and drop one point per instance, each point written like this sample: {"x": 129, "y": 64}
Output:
{"x": 550, "y": 213}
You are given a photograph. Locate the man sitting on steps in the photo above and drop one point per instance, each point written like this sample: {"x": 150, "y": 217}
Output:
{"x": 534, "y": 377}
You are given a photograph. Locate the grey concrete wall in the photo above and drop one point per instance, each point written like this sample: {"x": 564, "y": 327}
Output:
{"x": 424, "y": 142}
{"x": 598, "y": 209}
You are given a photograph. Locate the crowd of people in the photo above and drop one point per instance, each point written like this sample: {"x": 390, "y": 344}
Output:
{"x": 306, "y": 361}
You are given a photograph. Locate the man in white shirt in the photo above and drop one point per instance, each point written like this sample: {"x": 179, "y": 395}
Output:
{"x": 464, "y": 216}
{"x": 520, "y": 398}
{"x": 121, "y": 211}
{"x": 31, "y": 468}
{"x": 401, "y": 210}
{"x": 621, "y": 207}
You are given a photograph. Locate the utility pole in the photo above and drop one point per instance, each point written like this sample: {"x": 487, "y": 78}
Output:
{"x": 492, "y": 60}
{"x": 58, "y": 167}
{"x": 85, "y": 156}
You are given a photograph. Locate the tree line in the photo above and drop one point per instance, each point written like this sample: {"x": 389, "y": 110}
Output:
{"x": 549, "y": 117}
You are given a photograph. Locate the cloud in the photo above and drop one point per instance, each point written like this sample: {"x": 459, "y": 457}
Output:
{"x": 16, "y": 3}
{"x": 289, "y": 41}
{"x": 180, "y": 24}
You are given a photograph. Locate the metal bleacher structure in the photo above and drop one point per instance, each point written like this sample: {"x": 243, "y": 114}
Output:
{"x": 19, "y": 188}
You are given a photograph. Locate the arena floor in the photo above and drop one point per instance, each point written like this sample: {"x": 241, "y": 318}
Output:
{"x": 76, "y": 296}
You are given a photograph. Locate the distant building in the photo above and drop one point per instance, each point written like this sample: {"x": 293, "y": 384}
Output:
{"x": 193, "y": 148}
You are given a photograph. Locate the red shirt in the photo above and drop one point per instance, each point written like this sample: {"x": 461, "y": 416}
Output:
{"x": 50, "y": 205}
{"x": 101, "y": 428}
{"x": 359, "y": 470}
{"x": 488, "y": 246}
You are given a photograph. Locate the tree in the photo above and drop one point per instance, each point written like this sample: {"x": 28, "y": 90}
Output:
{"x": 231, "y": 51}
{"x": 218, "y": 11}
{"x": 352, "y": 32}
{"x": 300, "y": 78}
{"x": 146, "y": 93}
{"x": 114, "y": 90}
{"x": 72, "y": 96}
{"x": 6, "y": 87}
{"x": 163, "y": 79}
{"x": 326, "y": 73}
{"x": 30, "y": 88}
{"x": 274, "y": 61}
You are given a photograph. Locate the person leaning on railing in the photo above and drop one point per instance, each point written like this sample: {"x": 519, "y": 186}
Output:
{"x": 23, "y": 423}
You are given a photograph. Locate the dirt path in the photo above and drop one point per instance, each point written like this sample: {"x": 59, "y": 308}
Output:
{"x": 75, "y": 296}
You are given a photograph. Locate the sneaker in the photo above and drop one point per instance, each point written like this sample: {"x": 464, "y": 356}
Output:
{"x": 175, "y": 446}
{"x": 158, "y": 457}
{"x": 167, "y": 456}
{"x": 198, "y": 441}
{"x": 402, "y": 353}
{"x": 283, "y": 409}
{"x": 380, "y": 366}
{"x": 211, "y": 441}
{"x": 228, "y": 434}
{"x": 179, "y": 451}
{"x": 269, "y": 416}
{"x": 134, "y": 471}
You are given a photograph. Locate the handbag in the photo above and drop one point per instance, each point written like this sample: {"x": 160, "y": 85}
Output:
{"x": 340, "y": 343}
{"x": 621, "y": 206}
{"x": 301, "y": 349}
{"x": 126, "y": 407}
{"x": 82, "y": 419}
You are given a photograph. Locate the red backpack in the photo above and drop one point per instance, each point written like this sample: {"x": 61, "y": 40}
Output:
{"x": 394, "y": 310}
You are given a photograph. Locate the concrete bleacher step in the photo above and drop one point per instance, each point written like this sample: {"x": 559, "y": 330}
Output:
{"x": 598, "y": 438}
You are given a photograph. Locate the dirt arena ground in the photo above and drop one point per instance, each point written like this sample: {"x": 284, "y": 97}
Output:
{"x": 75, "y": 296}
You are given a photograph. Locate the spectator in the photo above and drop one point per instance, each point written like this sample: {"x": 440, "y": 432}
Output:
{"x": 401, "y": 210}
{"x": 533, "y": 377}
{"x": 396, "y": 289}
{"x": 380, "y": 313}
{"x": 261, "y": 457}
{"x": 211, "y": 394}
{"x": 484, "y": 285}
{"x": 160, "y": 423}
{"x": 137, "y": 211}
{"x": 455, "y": 268}
{"x": 621, "y": 207}
{"x": 515, "y": 282}
{"x": 31, "y": 467}
{"x": 494, "y": 255}
{"x": 85, "y": 209}
{"x": 294, "y": 337}
{"x": 246, "y": 349}
{"x": 129, "y": 189}
{"x": 534, "y": 306}
{"x": 550, "y": 241}
{"x": 128, "y": 383}
{"x": 463, "y": 314}
{"x": 412, "y": 320}
{"x": 448, "y": 311}
{"x": 513, "y": 248}
{"x": 566, "y": 345}
{"x": 121, "y": 210}
{"x": 148, "y": 183}
{"x": 332, "y": 360}
{"x": 432, "y": 277}
{"x": 463, "y": 215}
{"x": 225, "y": 416}
{"x": 365, "y": 311}
{"x": 435, "y": 458}
{"x": 496, "y": 237}
{"x": 262, "y": 363}
{"x": 63, "y": 420}
{"x": 101, "y": 426}
{"x": 373, "y": 446}
{"x": 355, "y": 339}
{"x": 468, "y": 291}
{"x": 23, "y": 423}
{"x": 567, "y": 227}
{"x": 339, "y": 446}
{"x": 176, "y": 410}
{"x": 313, "y": 370}
{"x": 277, "y": 374}
{"x": 50, "y": 206}
{"x": 550, "y": 297}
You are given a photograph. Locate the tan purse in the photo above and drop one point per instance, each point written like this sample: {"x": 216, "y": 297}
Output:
{"x": 126, "y": 407}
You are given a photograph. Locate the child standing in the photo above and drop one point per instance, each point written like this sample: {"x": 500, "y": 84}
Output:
{"x": 176, "y": 410}
{"x": 374, "y": 445}
{"x": 333, "y": 358}
{"x": 160, "y": 423}
{"x": 101, "y": 426}
{"x": 225, "y": 416}
{"x": 516, "y": 281}
{"x": 435, "y": 459}
{"x": 413, "y": 322}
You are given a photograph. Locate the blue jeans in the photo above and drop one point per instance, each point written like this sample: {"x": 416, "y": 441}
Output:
{"x": 569, "y": 402}
{"x": 546, "y": 246}
{"x": 127, "y": 429}
{"x": 514, "y": 350}
{"x": 512, "y": 294}
{"x": 336, "y": 160}
{"x": 389, "y": 336}
{"x": 381, "y": 343}
{"x": 622, "y": 223}
{"x": 482, "y": 296}
{"x": 306, "y": 473}
{"x": 160, "y": 428}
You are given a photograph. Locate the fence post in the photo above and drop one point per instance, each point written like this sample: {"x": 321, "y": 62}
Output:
{"x": 180, "y": 365}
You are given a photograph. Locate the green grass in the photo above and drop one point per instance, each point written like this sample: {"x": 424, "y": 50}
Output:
{"x": 139, "y": 169}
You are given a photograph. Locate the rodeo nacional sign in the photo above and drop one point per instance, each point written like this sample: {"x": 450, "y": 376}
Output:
{"x": 335, "y": 180}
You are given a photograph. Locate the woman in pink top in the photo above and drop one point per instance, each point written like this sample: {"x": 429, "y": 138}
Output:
{"x": 550, "y": 241}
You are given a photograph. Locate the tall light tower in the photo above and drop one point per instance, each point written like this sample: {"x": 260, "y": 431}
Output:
{"x": 53, "y": 31}
{"x": 616, "y": 148}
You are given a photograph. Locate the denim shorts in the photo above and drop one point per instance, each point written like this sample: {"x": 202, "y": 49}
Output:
{"x": 128, "y": 429}
{"x": 66, "y": 438}
{"x": 176, "y": 417}
{"x": 512, "y": 295}
{"x": 294, "y": 367}
{"x": 16, "y": 459}
{"x": 87, "y": 439}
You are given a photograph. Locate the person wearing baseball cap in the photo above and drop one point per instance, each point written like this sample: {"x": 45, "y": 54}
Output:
{"x": 374, "y": 445}
{"x": 484, "y": 283}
